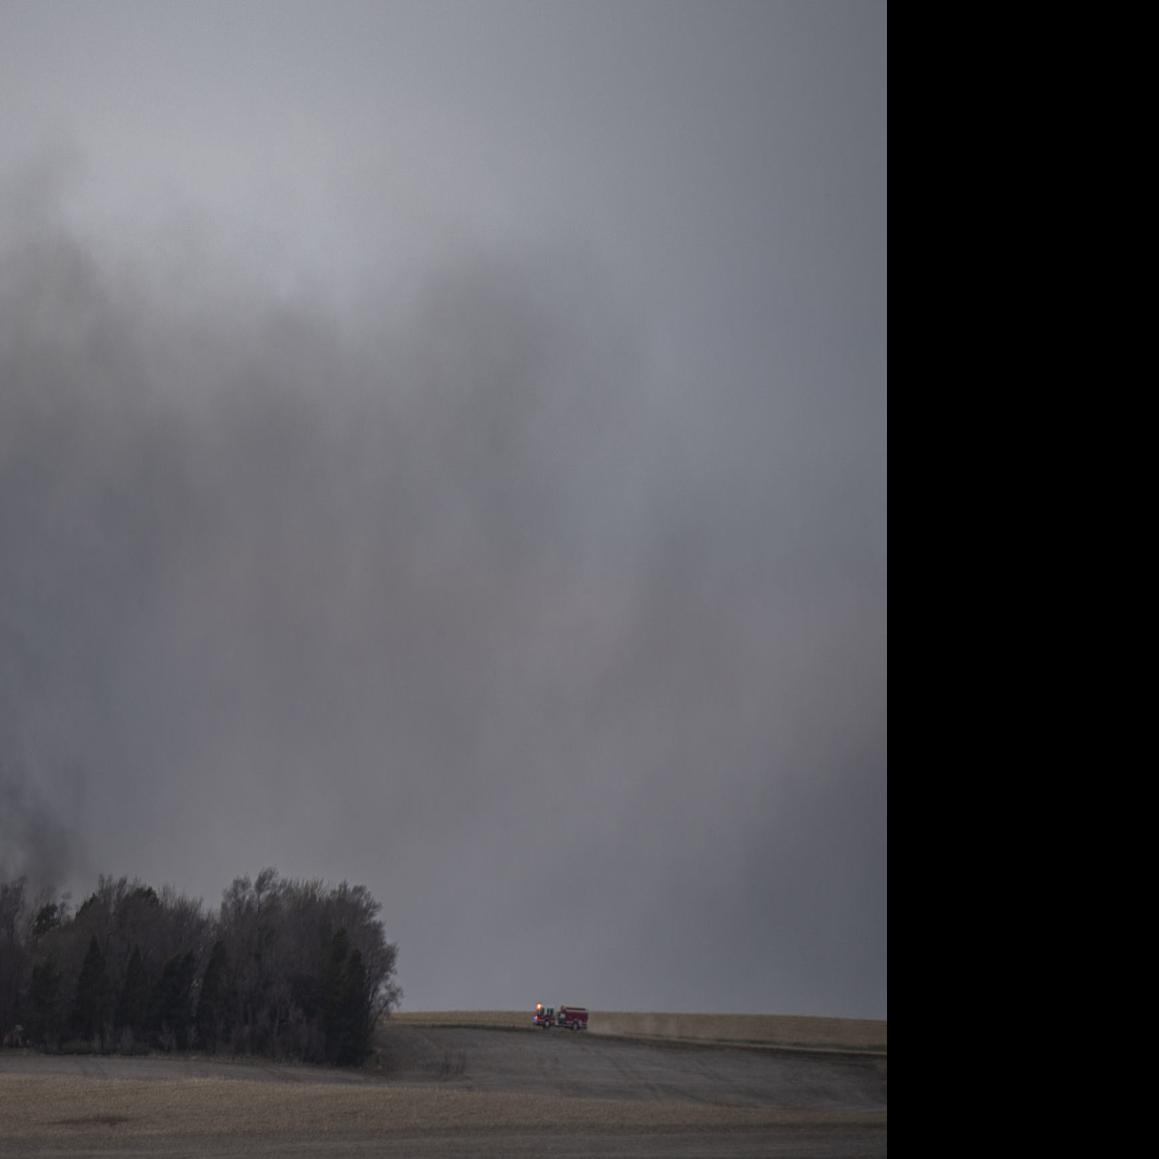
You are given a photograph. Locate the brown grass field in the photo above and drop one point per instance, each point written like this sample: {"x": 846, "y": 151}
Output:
{"x": 442, "y": 1086}
{"x": 734, "y": 1029}
{"x": 46, "y": 1108}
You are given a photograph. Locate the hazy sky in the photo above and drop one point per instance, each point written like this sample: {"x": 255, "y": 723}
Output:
{"x": 443, "y": 447}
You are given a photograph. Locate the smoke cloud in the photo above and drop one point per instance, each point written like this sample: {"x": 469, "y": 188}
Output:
{"x": 447, "y": 577}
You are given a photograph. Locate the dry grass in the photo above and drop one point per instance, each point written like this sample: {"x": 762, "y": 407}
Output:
{"x": 490, "y": 1018}
{"x": 59, "y": 1107}
{"x": 38, "y": 1109}
{"x": 766, "y": 1029}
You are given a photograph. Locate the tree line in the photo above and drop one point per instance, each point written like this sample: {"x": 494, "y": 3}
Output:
{"x": 287, "y": 969}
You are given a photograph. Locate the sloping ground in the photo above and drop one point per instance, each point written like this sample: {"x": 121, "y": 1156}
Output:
{"x": 443, "y": 1091}
{"x": 765, "y": 1029}
{"x": 229, "y": 1119}
{"x": 770, "y": 1029}
{"x": 174, "y": 1067}
{"x": 564, "y": 1065}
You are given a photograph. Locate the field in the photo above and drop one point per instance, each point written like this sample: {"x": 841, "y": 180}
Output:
{"x": 457, "y": 1083}
{"x": 759, "y": 1029}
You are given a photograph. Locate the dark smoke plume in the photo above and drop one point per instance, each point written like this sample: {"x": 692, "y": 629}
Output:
{"x": 450, "y": 597}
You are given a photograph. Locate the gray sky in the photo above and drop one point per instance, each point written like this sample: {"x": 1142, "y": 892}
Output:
{"x": 443, "y": 446}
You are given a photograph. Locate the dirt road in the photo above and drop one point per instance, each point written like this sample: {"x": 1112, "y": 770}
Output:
{"x": 454, "y": 1091}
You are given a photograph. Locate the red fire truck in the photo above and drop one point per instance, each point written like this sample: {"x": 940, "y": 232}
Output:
{"x": 571, "y": 1017}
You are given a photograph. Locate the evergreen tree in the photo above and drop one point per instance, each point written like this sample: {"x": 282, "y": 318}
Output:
{"x": 48, "y": 917}
{"x": 89, "y": 1007}
{"x": 132, "y": 1012}
{"x": 213, "y": 1021}
{"x": 13, "y": 959}
{"x": 44, "y": 1003}
{"x": 172, "y": 1002}
{"x": 355, "y": 1016}
{"x": 333, "y": 995}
